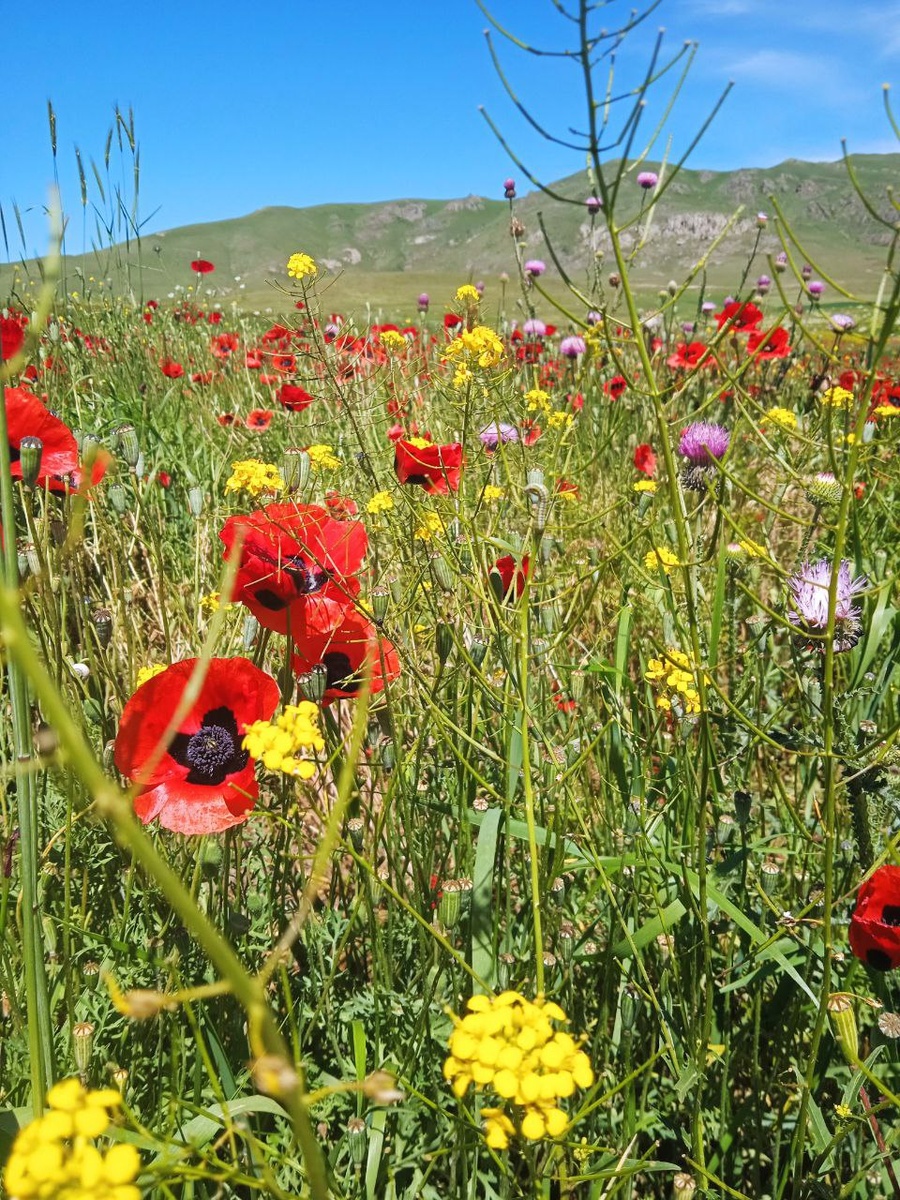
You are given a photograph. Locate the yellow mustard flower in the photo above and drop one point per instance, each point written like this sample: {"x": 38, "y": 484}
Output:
{"x": 323, "y": 458}
{"x": 782, "y": 417}
{"x": 392, "y": 340}
{"x": 538, "y": 400}
{"x": 467, "y": 294}
{"x": 380, "y": 502}
{"x": 836, "y": 397}
{"x": 278, "y": 744}
{"x": 254, "y": 477}
{"x": 661, "y": 559}
{"x": 430, "y": 524}
{"x": 674, "y": 675}
{"x": 492, "y": 492}
{"x": 146, "y": 673}
{"x": 299, "y": 266}
{"x": 480, "y": 346}
{"x": 644, "y": 485}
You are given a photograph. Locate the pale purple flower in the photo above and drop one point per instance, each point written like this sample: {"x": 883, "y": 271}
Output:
{"x": 534, "y": 326}
{"x": 707, "y": 307}
{"x": 509, "y": 189}
{"x": 806, "y": 271}
{"x": 593, "y": 205}
{"x": 815, "y": 288}
{"x": 810, "y": 588}
{"x": 687, "y": 328}
{"x": 762, "y": 220}
{"x": 572, "y": 346}
{"x": 702, "y": 442}
{"x": 648, "y": 179}
{"x": 498, "y": 433}
{"x": 842, "y": 322}
{"x": 594, "y": 318}
{"x": 535, "y": 267}
{"x": 763, "y": 284}
{"x": 479, "y": 287}
{"x": 781, "y": 261}
{"x": 424, "y": 301}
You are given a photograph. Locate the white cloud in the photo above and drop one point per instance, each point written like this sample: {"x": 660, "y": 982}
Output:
{"x": 778, "y": 68}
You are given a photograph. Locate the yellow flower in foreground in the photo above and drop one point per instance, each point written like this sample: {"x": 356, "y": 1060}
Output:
{"x": 467, "y": 294}
{"x": 322, "y": 458}
{"x": 783, "y": 417}
{"x": 210, "y": 603}
{"x": 492, "y": 492}
{"x": 299, "y": 266}
{"x": 644, "y": 485}
{"x": 887, "y": 410}
{"x": 253, "y": 476}
{"x": 836, "y": 397}
{"x": 146, "y": 673}
{"x": 430, "y": 524}
{"x": 392, "y": 339}
{"x": 54, "y": 1157}
{"x": 278, "y": 744}
{"x": 661, "y": 559}
{"x": 509, "y": 1044}
{"x": 538, "y": 400}
{"x": 380, "y": 502}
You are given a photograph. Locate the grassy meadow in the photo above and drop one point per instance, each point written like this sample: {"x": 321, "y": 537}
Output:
{"x": 453, "y": 755}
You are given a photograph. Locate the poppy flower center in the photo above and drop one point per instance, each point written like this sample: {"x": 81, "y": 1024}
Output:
{"x": 213, "y": 752}
{"x": 339, "y": 672}
{"x": 891, "y": 914}
{"x": 306, "y": 577}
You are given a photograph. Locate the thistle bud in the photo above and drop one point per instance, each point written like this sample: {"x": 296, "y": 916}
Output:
{"x": 843, "y": 1021}
{"x": 31, "y": 450}
{"x": 295, "y": 469}
{"x": 82, "y": 1045}
{"x": 823, "y": 488}
{"x": 127, "y": 444}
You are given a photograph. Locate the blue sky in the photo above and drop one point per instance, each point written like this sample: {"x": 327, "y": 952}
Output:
{"x": 300, "y": 102}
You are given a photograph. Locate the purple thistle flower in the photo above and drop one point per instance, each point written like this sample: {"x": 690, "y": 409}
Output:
{"x": 810, "y": 588}
{"x": 572, "y": 346}
{"x": 424, "y": 301}
{"x": 534, "y": 326}
{"x": 479, "y": 287}
{"x": 702, "y": 442}
{"x": 763, "y": 284}
{"x": 498, "y": 433}
{"x": 535, "y": 267}
{"x": 707, "y": 306}
{"x": 781, "y": 260}
{"x": 593, "y": 205}
{"x": 806, "y": 271}
{"x": 842, "y": 322}
{"x": 815, "y": 288}
{"x": 594, "y": 318}
{"x": 648, "y": 179}
{"x": 509, "y": 189}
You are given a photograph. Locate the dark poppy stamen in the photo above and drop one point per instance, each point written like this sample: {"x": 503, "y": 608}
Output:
{"x": 213, "y": 752}
{"x": 878, "y": 959}
{"x": 340, "y": 672}
{"x": 891, "y": 914}
{"x": 306, "y": 577}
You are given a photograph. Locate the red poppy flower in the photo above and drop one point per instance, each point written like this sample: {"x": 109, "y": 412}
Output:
{"x": 204, "y": 781}
{"x": 223, "y": 345}
{"x": 202, "y": 377}
{"x": 688, "y": 354}
{"x": 875, "y": 924}
{"x": 739, "y": 316}
{"x": 12, "y": 335}
{"x": 284, "y": 363}
{"x": 615, "y": 387}
{"x": 297, "y": 564}
{"x": 171, "y": 369}
{"x": 451, "y": 320}
{"x": 227, "y": 419}
{"x": 435, "y": 468}
{"x": 777, "y": 344}
{"x": 565, "y": 487}
{"x": 509, "y": 578}
{"x": 214, "y": 318}
{"x": 259, "y": 419}
{"x": 293, "y": 398}
{"x": 346, "y": 652}
{"x": 340, "y": 507}
{"x": 60, "y": 468}
{"x": 202, "y": 266}
{"x": 645, "y": 459}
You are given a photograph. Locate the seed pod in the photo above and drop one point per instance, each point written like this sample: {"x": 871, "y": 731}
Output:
{"x": 31, "y": 450}
{"x": 443, "y": 641}
{"x": 103, "y": 622}
{"x": 118, "y": 498}
{"x": 843, "y": 1020}
{"x": 313, "y": 684}
{"x": 127, "y": 444}
{"x": 477, "y": 651}
{"x": 249, "y": 631}
{"x": 442, "y": 572}
{"x": 770, "y": 874}
{"x": 355, "y": 831}
{"x": 358, "y": 1140}
{"x": 295, "y": 469}
{"x": 82, "y": 1045}
{"x": 195, "y": 499}
{"x": 380, "y": 598}
{"x": 450, "y": 903}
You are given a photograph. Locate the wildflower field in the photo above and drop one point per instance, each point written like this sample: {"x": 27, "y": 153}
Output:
{"x": 454, "y": 757}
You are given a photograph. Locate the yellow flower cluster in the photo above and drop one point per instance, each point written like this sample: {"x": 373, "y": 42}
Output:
{"x": 430, "y": 524}
{"x": 323, "y": 458}
{"x": 674, "y": 674}
{"x": 467, "y": 294}
{"x": 380, "y": 502}
{"x": 492, "y": 492}
{"x": 54, "y": 1157}
{"x": 538, "y": 401}
{"x": 301, "y": 265}
{"x": 210, "y": 603}
{"x": 253, "y": 476}
{"x": 644, "y": 485}
{"x": 559, "y": 419}
{"x": 836, "y": 397}
{"x": 509, "y": 1044}
{"x": 146, "y": 673}
{"x": 480, "y": 345}
{"x": 392, "y": 339}
{"x": 753, "y": 549}
{"x": 783, "y": 417}
{"x": 661, "y": 559}
{"x": 278, "y": 744}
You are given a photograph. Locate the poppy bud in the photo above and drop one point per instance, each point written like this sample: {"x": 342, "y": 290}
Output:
{"x": 358, "y": 1140}
{"x": 82, "y": 1045}
{"x": 742, "y": 802}
{"x": 195, "y": 499}
{"x": 477, "y": 651}
{"x": 31, "y": 450}
{"x": 127, "y": 442}
{"x": 380, "y": 598}
{"x": 443, "y": 575}
{"x": 843, "y": 1020}
{"x": 770, "y": 873}
{"x": 312, "y": 685}
{"x": 388, "y": 754}
{"x": 295, "y": 469}
{"x": 102, "y": 621}
{"x": 118, "y": 498}
{"x": 443, "y": 641}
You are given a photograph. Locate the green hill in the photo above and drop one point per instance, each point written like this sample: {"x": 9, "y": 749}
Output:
{"x": 382, "y": 255}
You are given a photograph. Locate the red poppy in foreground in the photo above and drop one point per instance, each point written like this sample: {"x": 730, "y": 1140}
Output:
{"x": 645, "y": 459}
{"x": 508, "y": 578}
{"x": 435, "y": 468}
{"x": 739, "y": 316}
{"x": 346, "y": 653}
{"x": 293, "y": 397}
{"x": 60, "y": 468}
{"x": 202, "y": 266}
{"x": 204, "y": 781}
{"x": 298, "y": 565}
{"x": 776, "y": 344}
{"x": 875, "y": 924}
{"x": 12, "y": 335}
{"x": 688, "y": 354}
